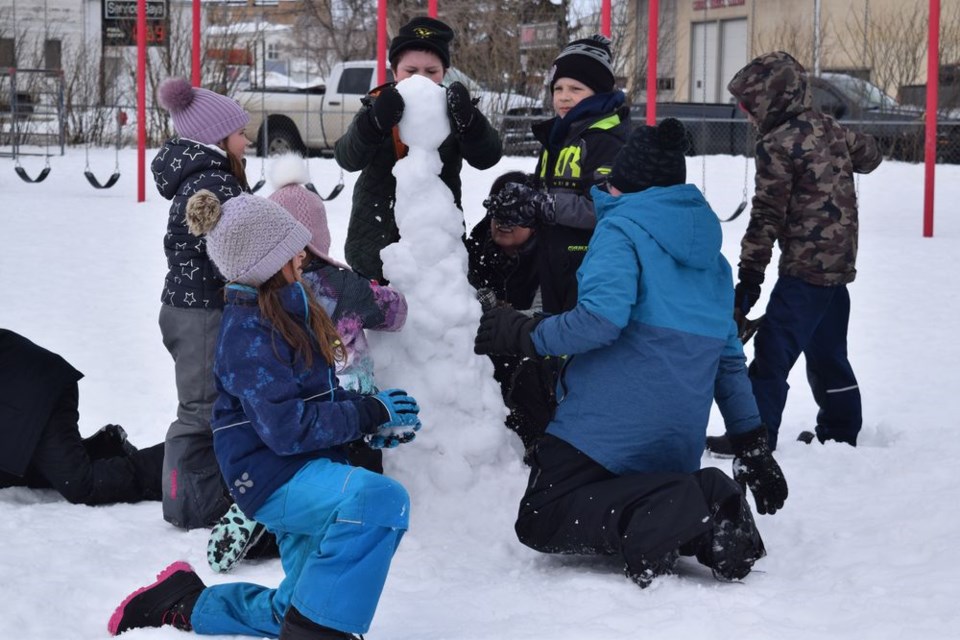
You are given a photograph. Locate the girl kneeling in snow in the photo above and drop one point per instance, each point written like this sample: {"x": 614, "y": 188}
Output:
{"x": 354, "y": 304}
{"x": 280, "y": 423}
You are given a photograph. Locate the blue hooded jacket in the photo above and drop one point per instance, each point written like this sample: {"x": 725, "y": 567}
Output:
{"x": 652, "y": 341}
{"x": 272, "y": 417}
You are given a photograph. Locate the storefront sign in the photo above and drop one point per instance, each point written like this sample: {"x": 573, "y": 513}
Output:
{"x": 120, "y": 23}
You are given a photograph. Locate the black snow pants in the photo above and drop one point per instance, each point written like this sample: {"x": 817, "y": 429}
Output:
{"x": 574, "y": 505}
{"x": 61, "y": 461}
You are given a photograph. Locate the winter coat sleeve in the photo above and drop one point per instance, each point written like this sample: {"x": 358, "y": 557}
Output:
{"x": 480, "y": 144}
{"x": 574, "y": 210}
{"x": 771, "y": 201}
{"x": 864, "y": 152}
{"x": 356, "y": 148}
{"x": 272, "y": 397}
{"x": 379, "y": 307}
{"x": 732, "y": 390}
{"x": 365, "y": 301}
{"x": 607, "y": 294}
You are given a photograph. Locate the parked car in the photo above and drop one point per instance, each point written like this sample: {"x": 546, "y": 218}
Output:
{"x": 288, "y": 117}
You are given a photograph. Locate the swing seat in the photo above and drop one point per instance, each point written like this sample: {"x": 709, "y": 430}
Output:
{"x": 333, "y": 193}
{"x": 92, "y": 179}
{"x": 26, "y": 177}
{"x": 258, "y": 186}
{"x": 736, "y": 214}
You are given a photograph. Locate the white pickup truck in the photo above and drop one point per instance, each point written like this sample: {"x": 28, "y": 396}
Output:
{"x": 312, "y": 118}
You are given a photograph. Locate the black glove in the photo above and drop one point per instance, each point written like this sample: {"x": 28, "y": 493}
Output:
{"x": 747, "y": 291}
{"x": 386, "y": 111}
{"x": 755, "y": 467}
{"x": 505, "y": 331}
{"x": 460, "y": 108}
{"x": 517, "y": 205}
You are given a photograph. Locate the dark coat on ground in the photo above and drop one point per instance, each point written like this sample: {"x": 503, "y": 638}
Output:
{"x": 372, "y": 224}
{"x": 31, "y": 381}
{"x": 180, "y": 169}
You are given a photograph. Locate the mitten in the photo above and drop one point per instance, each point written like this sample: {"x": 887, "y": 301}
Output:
{"x": 517, "y": 205}
{"x": 505, "y": 331}
{"x": 747, "y": 291}
{"x": 386, "y": 110}
{"x": 402, "y": 423}
{"x": 755, "y": 467}
{"x": 460, "y": 108}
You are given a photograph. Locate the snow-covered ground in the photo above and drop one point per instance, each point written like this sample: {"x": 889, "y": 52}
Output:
{"x": 866, "y": 546}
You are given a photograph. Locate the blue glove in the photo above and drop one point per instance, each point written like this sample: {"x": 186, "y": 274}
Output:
{"x": 402, "y": 424}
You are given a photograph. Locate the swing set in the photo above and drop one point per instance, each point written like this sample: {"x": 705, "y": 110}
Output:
{"x": 32, "y": 115}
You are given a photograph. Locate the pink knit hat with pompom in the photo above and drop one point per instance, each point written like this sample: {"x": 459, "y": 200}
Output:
{"x": 199, "y": 114}
{"x": 288, "y": 175}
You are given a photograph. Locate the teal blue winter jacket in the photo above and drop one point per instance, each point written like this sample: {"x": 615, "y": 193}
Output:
{"x": 652, "y": 341}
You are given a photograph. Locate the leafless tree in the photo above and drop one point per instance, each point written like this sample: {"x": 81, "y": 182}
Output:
{"x": 330, "y": 31}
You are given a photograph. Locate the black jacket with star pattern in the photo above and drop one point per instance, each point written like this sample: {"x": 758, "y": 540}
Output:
{"x": 182, "y": 168}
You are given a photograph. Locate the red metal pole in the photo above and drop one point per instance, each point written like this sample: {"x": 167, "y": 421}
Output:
{"x": 195, "y": 78}
{"x": 432, "y": 8}
{"x": 381, "y": 41}
{"x": 930, "y": 143}
{"x": 605, "y": 17}
{"x": 653, "y": 18}
{"x": 141, "y": 99}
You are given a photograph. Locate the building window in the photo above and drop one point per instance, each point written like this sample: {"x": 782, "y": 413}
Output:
{"x": 663, "y": 84}
{"x": 51, "y": 54}
{"x": 273, "y": 51}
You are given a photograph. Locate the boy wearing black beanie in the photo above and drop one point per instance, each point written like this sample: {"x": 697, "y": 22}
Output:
{"x": 579, "y": 145}
{"x": 650, "y": 344}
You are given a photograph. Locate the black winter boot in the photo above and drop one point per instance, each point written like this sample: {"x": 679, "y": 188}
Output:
{"x": 297, "y": 626}
{"x": 168, "y": 601}
{"x": 647, "y": 570}
{"x": 148, "y": 466}
{"x": 735, "y": 544}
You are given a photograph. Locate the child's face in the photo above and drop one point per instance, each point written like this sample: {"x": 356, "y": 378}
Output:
{"x": 419, "y": 63}
{"x": 510, "y": 239}
{"x": 237, "y": 143}
{"x": 568, "y": 93}
{"x": 293, "y": 270}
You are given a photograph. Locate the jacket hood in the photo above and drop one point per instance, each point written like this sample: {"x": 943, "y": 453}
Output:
{"x": 292, "y": 297}
{"x": 181, "y": 159}
{"x": 677, "y": 217}
{"x": 773, "y": 88}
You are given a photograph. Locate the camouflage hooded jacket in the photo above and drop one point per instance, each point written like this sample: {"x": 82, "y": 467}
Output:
{"x": 805, "y": 198}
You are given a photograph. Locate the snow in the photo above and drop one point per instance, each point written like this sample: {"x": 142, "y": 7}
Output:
{"x": 866, "y": 546}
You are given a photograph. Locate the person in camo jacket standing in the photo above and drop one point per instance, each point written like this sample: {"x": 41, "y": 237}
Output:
{"x": 806, "y": 201}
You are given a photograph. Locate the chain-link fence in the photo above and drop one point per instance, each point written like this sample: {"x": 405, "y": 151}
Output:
{"x": 899, "y": 140}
